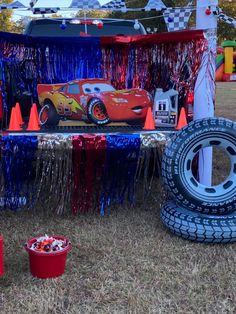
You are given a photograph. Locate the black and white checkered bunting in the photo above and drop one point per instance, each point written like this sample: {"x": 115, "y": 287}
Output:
{"x": 154, "y": 5}
{"x": 32, "y": 3}
{"x": 227, "y": 19}
{"x": 177, "y": 19}
{"x": 115, "y": 5}
{"x": 95, "y": 5}
{"x": 85, "y": 4}
{"x": 44, "y": 10}
{"x": 12, "y": 6}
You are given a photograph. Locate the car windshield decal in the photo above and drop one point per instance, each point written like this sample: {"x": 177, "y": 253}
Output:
{"x": 97, "y": 88}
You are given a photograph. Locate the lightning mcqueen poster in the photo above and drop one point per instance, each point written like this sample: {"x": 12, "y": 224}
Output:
{"x": 91, "y": 100}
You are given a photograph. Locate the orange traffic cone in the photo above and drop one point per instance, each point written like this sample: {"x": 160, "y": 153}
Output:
{"x": 33, "y": 124}
{"x": 182, "y": 119}
{"x": 18, "y": 113}
{"x": 149, "y": 122}
{"x": 14, "y": 124}
{"x": 34, "y": 108}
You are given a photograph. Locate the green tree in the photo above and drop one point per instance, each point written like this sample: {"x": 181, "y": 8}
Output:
{"x": 5, "y": 18}
{"x": 18, "y": 26}
{"x": 92, "y": 13}
{"x": 226, "y": 31}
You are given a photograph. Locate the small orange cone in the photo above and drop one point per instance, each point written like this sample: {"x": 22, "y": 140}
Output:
{"x": 34, "y": 108}
{"x": 33, "y": 124}
{"x": 14, "y": 124}
{"x": 149, "y": 122}
{"x": 182, "y": 119}
{"x": 18, "y": 113}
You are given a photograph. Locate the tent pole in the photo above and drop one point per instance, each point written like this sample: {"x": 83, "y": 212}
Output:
{"x": 204, "y": 99}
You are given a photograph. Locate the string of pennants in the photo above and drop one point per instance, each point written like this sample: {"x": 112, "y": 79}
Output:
{"x": 152, "y": 5}
{"x": 175, "y": 18}
{"x": 227, "y": 19}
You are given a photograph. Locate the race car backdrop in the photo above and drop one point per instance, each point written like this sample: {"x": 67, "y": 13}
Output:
{"x": 87, "y": 171}
{"x": 138, "y": 63}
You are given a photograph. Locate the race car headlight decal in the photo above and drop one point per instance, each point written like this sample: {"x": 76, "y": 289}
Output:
{"x": 121, "y": 100}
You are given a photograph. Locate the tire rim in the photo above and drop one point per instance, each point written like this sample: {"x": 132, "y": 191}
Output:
{"x": 99, "y": 112}
{"x": 43, "y": 116}
{"x": 219, "y": 192}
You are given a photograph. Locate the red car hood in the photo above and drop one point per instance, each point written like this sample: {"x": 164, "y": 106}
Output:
{"x": 136, "y": 94}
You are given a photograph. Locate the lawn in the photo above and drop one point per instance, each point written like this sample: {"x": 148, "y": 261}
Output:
{"x": 126, "y": 262}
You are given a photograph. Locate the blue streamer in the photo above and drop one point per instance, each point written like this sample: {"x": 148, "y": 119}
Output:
{"x": 121, "y": 164}
{"x": 5, "y": 108}
{"x": 18, "y": 154}
{"x": 30, "y": 61}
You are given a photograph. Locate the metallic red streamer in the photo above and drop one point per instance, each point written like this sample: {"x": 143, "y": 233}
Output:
{"x": 163, "y": 60}
{"x": 89, "y": 153}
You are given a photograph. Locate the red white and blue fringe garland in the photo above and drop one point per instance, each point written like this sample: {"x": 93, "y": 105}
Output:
{"x": 88, "y": 172}
{"x": 81, "y": 173}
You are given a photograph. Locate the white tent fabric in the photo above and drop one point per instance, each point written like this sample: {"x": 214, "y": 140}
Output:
{"x": 155, "y": 5}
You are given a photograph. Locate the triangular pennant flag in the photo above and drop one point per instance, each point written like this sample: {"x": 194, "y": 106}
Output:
{"x": 12, "y": 6}
{"x": 227, "y": 19}
{"x": 97, "y": 4}
{"x": 177, "y": 19}
{"x": 103, "y": 2}
{"x": 155, "y": 5}
{"x": 114, "y": 5}
{"x": 85, "y": 4}
{"x": 44, "y": 10}
{"x": 32, "y": 3}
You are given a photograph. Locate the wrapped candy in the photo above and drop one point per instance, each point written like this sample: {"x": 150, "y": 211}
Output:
{"x": 48, "y": 244}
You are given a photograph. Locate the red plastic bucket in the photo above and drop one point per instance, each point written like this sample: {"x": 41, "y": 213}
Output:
{"x": 1, "y": 256}
{"x": 47, "y": 265}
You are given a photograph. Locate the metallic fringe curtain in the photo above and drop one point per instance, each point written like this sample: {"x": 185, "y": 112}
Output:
{"x": 81, "y": 173}
{"x": 53, "y": 174}
{"x": 148, "y": 62}
{"x": 88, "y": 172}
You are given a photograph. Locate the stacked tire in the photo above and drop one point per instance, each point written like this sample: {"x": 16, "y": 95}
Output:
{"x": 198, "y": 212}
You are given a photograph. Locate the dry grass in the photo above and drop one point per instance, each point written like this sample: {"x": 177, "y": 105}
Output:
{"x": 124, "y": 263}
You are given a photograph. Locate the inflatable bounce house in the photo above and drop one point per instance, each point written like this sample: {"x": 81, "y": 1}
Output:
{"x": 85, "y": 118}
{"x": 226, "y": 62}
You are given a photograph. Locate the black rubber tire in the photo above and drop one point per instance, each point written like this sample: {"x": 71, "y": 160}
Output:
{"x": 97, "y": 102}
{"x": 53, "y": 117}
{"x": 177, "y": 166}
{"x": 198, "y": 227}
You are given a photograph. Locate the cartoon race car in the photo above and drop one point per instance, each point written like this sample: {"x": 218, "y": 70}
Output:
{"x": 91, "y": 100}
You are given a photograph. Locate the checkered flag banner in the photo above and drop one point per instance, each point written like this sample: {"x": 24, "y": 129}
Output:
{"x": 95, "y": 5}
{"x": 155, "y": 5}
{"x": 177, "y": 19}
{"x": 12, "y": 6}
{"x": 227, "y": 19}
{"x": 115, "y": 5}
{"x": 32, "y": 3}
{"x": 44, "y": 10}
